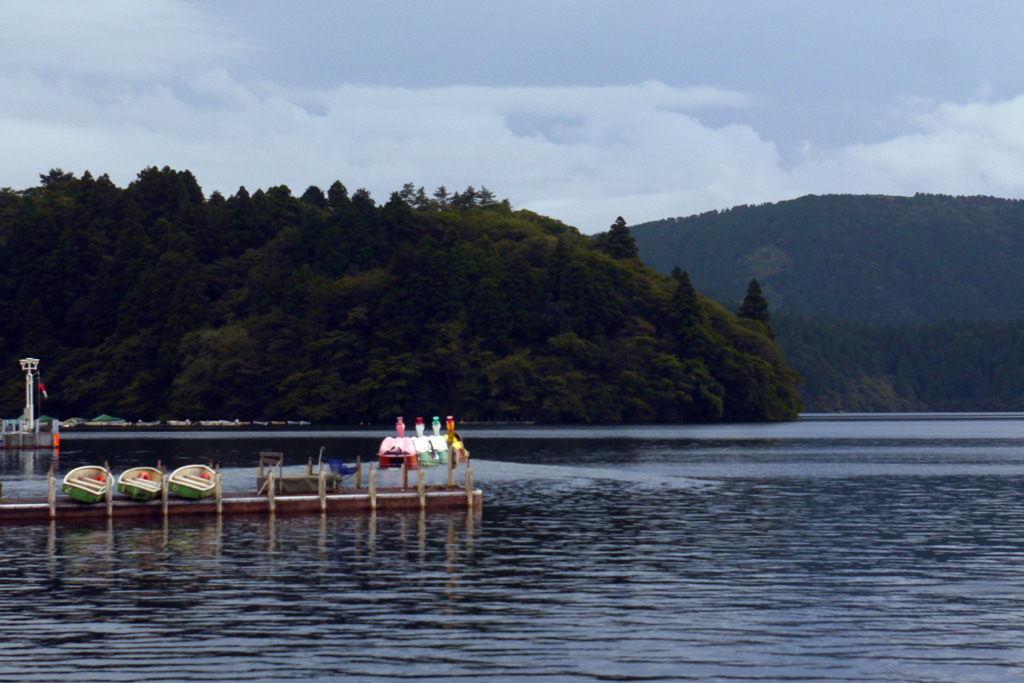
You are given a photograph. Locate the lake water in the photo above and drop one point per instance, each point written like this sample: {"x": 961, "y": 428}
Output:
{"x": 821, "y": 550}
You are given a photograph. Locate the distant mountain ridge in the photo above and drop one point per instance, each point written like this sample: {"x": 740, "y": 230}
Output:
{"x": 866, "y": 258}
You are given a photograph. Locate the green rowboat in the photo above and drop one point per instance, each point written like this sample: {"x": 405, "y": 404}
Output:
{"x": 192, "y": 481}
{"x": 87, "y": 484}
{"x": 140, "y": 483}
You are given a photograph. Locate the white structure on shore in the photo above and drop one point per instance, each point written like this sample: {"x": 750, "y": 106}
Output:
{"x": 27, "y": 431}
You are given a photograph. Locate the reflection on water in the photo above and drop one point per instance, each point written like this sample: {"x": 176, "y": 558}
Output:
{"x": 740, "y": 554}
{"x": 232, "y": 597}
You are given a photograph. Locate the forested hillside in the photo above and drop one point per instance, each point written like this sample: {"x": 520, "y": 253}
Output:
{"x": 949, "y": 366}
{"x": 927, "y": 258}
{"x": 880, "y": 303}
{"x": 153, "y": 301}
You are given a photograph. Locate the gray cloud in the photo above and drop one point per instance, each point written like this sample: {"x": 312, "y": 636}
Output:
{"x": 112, "y": 38}
{"x": 115, "y": 87}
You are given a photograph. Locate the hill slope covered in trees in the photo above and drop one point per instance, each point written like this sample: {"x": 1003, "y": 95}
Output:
{"x": 153, "y": 301}
{"x": 881, "y": 303}
{"x": 927, "y": 258}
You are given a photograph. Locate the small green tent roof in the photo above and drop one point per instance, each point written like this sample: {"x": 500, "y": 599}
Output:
{"x": 44, "y": 418}
{"x": 107, "y": 418}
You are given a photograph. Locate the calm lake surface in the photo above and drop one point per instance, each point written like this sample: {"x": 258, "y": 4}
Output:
{"x": 821, "y": 550}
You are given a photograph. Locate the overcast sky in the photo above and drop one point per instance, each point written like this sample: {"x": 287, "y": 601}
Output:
{"x": 583, "y": 111}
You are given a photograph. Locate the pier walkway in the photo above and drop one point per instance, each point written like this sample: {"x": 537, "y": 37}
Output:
{"x": 45, "y": 508}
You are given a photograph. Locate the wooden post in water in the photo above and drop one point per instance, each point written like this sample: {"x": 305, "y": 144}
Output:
{"x": 309, "y": 466}
{"x": 110, "y": 491}
{"x": 218, "y": 491}
{"x": 51, "y": 492}
{"x": 421, "y": 488}
{"x": 373, "y": 487}
{"x": 359, "y": 473}
{"x": 451, "y": 466}
{"x": 321, "y": 488}
{"x": 271, "y": 505}
{"x": 405, "y": 472}
{"x": 469, "y": 485}
{"x": 164, "y": 484}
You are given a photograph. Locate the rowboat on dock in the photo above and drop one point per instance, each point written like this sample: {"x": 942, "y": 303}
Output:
{"x": 192, "y": 481}
{"x": 87, "y": 484}
{"x": 362, "y": 495}
{"x": 140, "y": 483}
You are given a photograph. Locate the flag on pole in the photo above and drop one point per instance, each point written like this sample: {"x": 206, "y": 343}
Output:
{"x": 42, "y": 389}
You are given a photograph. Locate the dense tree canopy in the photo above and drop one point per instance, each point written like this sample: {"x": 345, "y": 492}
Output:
{"x": 948, "y": 366}
{"x": 880, "y": 303}
{"x": 875, "y": 259}
{"x": 153, "y": 301}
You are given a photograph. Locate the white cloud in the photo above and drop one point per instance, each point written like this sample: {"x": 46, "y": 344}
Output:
{"x": 589, "y": 153}
{"x": 582, "y": 155}
{"x": 116, "y": 86}
{"x": 957, "y": 149}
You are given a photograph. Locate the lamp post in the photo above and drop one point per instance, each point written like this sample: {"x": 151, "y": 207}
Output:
{"x": 31, "y": 367}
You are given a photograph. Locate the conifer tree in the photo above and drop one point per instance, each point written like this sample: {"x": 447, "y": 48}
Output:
{"x": 755, "y": 307}
{"x": 621, "y": 244}
{"x": 337, "y": 196}
{"x": 685, "y": 308}
{"x": 314, "y": 196}
{"x": 685, "y": 319}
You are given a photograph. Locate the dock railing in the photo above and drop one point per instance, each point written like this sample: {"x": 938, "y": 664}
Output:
{"x": 20, "y": 425}
{"x": 22, "y": 433}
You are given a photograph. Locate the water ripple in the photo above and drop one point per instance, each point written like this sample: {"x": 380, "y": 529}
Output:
{"x": 777, "y": 559}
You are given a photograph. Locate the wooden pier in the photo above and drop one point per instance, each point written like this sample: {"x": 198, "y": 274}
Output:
{"x": 356, "y": 500}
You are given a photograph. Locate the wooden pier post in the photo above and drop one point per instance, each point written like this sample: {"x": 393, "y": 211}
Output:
{"x": 218, "y": 491}
{"x": 359, "y": 473}
{"x": 373, "y": 489}
{"x": 405, "y": 473}
{"x": 164, "y": 484}
{"x": 51, "y": 492}
{"x": 309, "y": 466}
{"x": 110, "y": 491}
{"x": 271, "y": 505}
{"x": 451, "y": 467}
{"x": 421, "y": 488}
{"x": 321, "y": 489}
{"x": 469, "y": 485}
